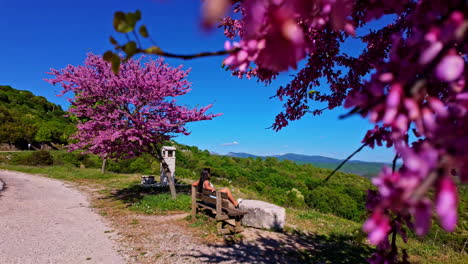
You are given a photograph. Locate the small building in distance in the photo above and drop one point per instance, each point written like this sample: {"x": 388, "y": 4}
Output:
{"x": 169, "y": 155}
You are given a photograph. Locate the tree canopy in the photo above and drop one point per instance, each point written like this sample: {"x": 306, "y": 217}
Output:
{"x": 125, "y": 115}
{"x": 410, "y": 79}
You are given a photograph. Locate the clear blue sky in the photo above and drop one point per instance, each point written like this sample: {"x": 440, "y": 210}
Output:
{"x": 39, "y": 35}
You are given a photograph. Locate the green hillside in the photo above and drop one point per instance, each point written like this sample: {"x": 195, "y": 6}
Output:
{"x": 363, "y": 168}
{"x": 26, "y": 118}
{"x": 296, "y": 187}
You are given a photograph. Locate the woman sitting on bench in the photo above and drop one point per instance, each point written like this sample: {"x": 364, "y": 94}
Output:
{"x": 204, "y": 184}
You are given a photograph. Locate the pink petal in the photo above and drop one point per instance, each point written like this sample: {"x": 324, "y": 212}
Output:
{"x": 450, "y": 68}
{"x": 446, "y": 203}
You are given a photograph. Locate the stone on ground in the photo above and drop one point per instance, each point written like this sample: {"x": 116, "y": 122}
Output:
{"x": 263, "y": 215}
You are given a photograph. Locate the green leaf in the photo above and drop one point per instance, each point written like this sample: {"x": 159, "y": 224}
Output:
{"x": 153, "y": 50}
{"x": 144, "y": 31}
{"x": 138, "y": 14}
{"x": 121, "y": 23}
{"x": 130, "y": 48}
{"x": 115, "y": 63}
{"x": 108, "y": 56}
{"x": 113, "y": 41}
{"x": 132, "y": 19}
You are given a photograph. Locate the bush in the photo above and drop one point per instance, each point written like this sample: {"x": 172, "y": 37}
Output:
{"x": 294, "y": 198}
{"x": 76, "y": 159}
{"x": 327, "y": 200}
{"x": 35, "y": 158}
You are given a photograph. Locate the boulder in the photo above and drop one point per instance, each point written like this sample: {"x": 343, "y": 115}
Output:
{"x": 263, "y": 215}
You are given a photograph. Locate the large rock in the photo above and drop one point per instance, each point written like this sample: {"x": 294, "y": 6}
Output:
{"x": 263, "y": 215}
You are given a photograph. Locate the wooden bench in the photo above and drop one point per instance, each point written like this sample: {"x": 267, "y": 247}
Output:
{"x": 228, "y": 218}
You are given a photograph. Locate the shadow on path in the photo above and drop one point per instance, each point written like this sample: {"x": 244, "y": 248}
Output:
{"x": 294, "y": 247}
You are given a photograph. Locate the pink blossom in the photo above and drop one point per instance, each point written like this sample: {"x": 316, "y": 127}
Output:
{"x": 377, "y": 226}
{"x": 450, "y": 68}
{"x": 409, "y": 80}
{"x": 124, "y": 115}
{"x": 284, "y": 39}
{"x": 446, "y": 203}
{"x": 423, "y": 214}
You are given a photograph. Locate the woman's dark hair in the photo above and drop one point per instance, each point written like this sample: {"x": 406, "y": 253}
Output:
{"x": 204, "y": 176}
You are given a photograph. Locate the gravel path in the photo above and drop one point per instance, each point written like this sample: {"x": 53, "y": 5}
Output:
{"x": 44, "y": 221}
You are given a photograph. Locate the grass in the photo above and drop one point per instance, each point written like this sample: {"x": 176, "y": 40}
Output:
{"x": 161, "y": 204}
{"x": 74, "y": 174}
{"x": 329, "y": 225}
{"x": 324, "y": 225}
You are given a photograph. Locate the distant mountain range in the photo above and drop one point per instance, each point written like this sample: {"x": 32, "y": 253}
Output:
{"x": 363, "y": 168}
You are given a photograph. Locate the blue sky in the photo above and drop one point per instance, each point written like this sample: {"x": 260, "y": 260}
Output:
{"x": 39, "y": 35}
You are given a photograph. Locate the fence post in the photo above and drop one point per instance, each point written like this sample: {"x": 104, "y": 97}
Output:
{"x": 194, "y": 202}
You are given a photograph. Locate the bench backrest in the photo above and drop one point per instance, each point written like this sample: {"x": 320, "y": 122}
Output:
{"x": 206, "y": 196}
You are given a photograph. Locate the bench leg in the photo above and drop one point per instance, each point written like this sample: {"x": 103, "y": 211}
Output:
{"x": 194, "y": 212}
{"x": 219, "y": 227}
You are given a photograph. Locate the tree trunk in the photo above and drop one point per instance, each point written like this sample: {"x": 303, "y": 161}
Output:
{"x": 103, "y": 167}
{"x": 170, "y": 179}
{"x": 156, "y": 152}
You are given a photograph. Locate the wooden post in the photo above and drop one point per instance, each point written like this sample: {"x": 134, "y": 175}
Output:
{"x": 194, "y": 202}
{"x": 218, "y": 204}
{"x": 219, "y": 211}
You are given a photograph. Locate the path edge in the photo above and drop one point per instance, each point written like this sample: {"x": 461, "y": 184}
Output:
{"x": 2, "y": 185}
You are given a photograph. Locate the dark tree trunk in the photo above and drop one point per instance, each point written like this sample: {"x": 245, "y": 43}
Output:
{"x": 170, "y": 179}
{"x": 158, "y": 155}
{"x": 103, "y": 167}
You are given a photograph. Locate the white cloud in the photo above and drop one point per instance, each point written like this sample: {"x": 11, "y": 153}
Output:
{"x": 230, "y": 143}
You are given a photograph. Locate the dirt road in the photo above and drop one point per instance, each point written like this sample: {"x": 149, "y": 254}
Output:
{"x": 44, "y": 221}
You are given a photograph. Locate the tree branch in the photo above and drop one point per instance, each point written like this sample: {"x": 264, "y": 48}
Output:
{"x": 394, "y": 162}
{"x": 344, "y": 162}
{"x": 189, "y": 56}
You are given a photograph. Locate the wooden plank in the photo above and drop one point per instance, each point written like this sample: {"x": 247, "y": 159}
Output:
{"x": 194, "y": 202}
{"x": 222, "y": 217}
{"x": 208, "y": 199}
{"x": 218, "y": 203}
{"x": 223, "y": 195}
{"x": 207, "y": 206}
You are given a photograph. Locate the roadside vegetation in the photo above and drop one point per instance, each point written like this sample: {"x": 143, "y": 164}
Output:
{"x": 331, "y": 210}
{"x": 29, "y": 119}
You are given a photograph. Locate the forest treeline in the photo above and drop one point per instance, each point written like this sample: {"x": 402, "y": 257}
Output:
{"x": 29, "y": 119}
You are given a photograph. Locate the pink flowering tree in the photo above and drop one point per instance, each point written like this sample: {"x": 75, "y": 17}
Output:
{"x": 125, "y": 115}
{"x": 409, "y": 79}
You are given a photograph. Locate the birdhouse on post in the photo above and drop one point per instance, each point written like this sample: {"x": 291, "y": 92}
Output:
{"x": 168, "y": 154}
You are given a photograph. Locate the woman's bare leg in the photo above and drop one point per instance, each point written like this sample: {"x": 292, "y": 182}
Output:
{"x": 229, "y": 195}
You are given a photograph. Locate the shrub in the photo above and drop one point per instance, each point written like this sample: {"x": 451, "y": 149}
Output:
{"x": 294, "y": 198}
{"x": 35, "y": 158}
{"x": 327, "y": 200}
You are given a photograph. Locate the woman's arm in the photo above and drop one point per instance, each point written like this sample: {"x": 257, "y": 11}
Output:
{"x": 207, "y": 186}
{"x": 195, "y": 183}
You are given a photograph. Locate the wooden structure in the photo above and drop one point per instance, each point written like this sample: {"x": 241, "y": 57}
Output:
{"x": 168, "y": 153}
{"x": 228, "y": 218}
